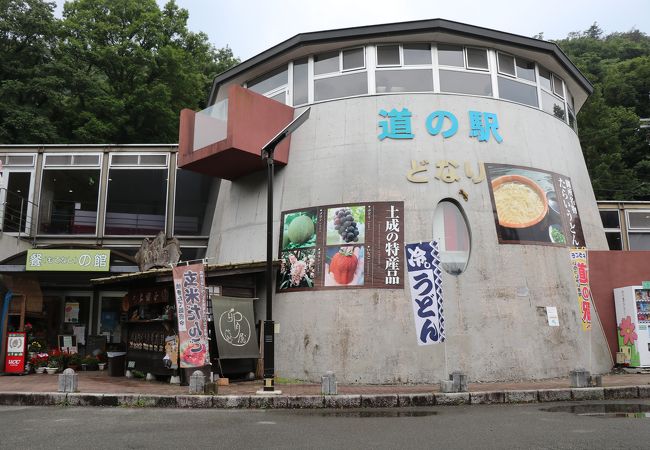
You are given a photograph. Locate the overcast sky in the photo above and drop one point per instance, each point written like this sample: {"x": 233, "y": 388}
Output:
{"x": 249, "y": 27}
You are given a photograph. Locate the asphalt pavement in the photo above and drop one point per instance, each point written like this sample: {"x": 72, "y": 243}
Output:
{"x": 520, "y": 426}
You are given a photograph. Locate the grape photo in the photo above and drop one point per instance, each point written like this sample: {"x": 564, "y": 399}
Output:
{"x": 346, "y": 225}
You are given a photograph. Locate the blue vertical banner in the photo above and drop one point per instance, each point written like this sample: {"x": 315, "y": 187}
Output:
{"x": 425, "y": 280}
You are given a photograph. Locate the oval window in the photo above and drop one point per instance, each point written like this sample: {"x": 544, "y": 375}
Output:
{"x": 451, "y": 231}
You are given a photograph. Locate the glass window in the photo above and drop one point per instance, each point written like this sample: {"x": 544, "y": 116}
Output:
{"x": 13, "y": 160}
{"x": 465, "y": 83}
{"x": 68, "y": 203}
{"x": 85, "y": 160}
{"x": 153, "y": 160}
{"x": 614, "y": 240}
{"x": 326, "y": 63}
{"x": 415, "y": 80}
{"x": 124, "y": 160}
{"x": 609, "y": 218}
{"x": 353, "y": 59}
{"x": 517, "y": 92}
{"x": 417, "y": 54}
{"x": 300, "y": 81}
{"x": 552, "y": 105}
{"x": 58, "y": 160}
{"x": 451, "y": 231}
{"x": 341, "y": 86}
{"x": 450, "y": 55}
{"x": 506, "y": 64}
{"x": 136, "y": 201}
{"x": 639, "y": 219}
{"x": 16, "y": 196}
{"x": 281, "y": 97}
{"x": 525, "y": 69}
{"x": 477, "y": 58}
{"x": 269, "y": 81}
{"x": 388, "y": 55}
{"x": 558, "y": 88}
{"x": 545, "y": 78}
{"x": 195, "y": 199}
{"x": 639, "y": 241}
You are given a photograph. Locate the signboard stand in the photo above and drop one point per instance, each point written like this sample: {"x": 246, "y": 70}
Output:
{"x": 16, "y": 347}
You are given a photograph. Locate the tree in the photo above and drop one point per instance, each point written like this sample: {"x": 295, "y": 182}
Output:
{"x": 130, "y": 68}
{"x": 28, "y": 87}
{"x": 616, "y": 149}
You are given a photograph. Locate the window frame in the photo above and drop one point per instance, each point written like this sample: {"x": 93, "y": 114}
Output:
{"x": 110, "y": 166}
{"x": 72, "y": 166}
{"x": 7, "y": 168}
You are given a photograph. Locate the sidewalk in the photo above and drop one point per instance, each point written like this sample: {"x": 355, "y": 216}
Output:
{"x": 99, "y": 389}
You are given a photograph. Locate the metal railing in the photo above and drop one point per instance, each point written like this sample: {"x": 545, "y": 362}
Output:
{"x": 16, "y": 214}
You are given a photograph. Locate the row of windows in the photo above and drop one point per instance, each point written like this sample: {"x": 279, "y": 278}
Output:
{"x": 417, "y": 67}
{"x": 636, "y": 227}
{"x": 69, "y": 198}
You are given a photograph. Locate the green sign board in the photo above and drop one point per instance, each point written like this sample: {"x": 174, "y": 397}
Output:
{"x": 646, "y": 285}
{"x": 64, "y": 260}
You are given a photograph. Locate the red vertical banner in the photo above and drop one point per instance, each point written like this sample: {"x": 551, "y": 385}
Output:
{"x": 16, "y": 345}
{"x": 581, "y": 275}
{"x": 189, "y": 289}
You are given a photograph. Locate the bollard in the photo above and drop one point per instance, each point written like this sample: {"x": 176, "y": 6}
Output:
{"x": 446, "y": 386}
{"x": 580, "y": 378}
{"x": 197, "y": 382}
{"x": 596, "y": 380}
{"x": 68, "y": 381}
{"x": 460, "y": 381}
{"x": 328, "y": 383}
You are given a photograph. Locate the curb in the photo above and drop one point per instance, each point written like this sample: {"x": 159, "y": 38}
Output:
{"x": 321, "y": 401}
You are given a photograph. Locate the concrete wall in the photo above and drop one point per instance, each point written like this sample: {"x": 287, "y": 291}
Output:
{"x": 10, "y": 245}
{"x": 495, "y": 322}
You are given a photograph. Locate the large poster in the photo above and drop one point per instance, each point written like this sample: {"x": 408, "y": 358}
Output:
{"x": 189, "y": 289}
{"x": 342, "y": 246}
{"x": 423, "y": 265}
{"x": 533, "y": 206}
{"x": 234, "y": 324}
{"x": 581, "y": 275}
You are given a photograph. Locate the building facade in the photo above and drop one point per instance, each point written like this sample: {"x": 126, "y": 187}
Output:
{"x": 417, "y": 132}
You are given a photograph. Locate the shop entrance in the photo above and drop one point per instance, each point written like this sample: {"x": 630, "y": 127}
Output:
{"x": 67, "y": 313}
{"x": 108, "y": 316}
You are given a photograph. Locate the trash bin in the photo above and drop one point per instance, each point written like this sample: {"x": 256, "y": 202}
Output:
{"x": 116, "y": 363}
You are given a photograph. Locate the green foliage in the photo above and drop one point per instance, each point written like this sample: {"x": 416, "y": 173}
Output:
{"x": 114, "y": 71}
{"x": 615, "y": 147}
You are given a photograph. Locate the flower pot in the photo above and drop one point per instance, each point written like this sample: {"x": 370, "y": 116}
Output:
{"x": 101, "y": 366}
{"x": 51, "y": 370}
{"x": 40, "y": 370}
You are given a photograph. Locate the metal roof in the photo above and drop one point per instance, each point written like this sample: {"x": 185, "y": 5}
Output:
{"x": 401, "y": 29}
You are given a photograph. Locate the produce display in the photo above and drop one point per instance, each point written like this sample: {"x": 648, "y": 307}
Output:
{"x": 345, "y": 225}
{"x": 343, "y": 265}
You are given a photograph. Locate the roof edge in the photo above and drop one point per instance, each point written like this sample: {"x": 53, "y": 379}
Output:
{"x": 412, "y": 27}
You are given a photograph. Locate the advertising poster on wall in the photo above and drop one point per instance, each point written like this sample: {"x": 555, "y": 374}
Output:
{"x": 533, "y": 206}
{"x": 425, "y": 280}
{"x": 581, "y": 275}
{"x": 189, "y": 289}
{"x": 342, "y": 246}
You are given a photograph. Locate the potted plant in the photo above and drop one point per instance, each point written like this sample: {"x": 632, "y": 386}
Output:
{"x": 89, "y": 362}
{"x": 39, "y": 362}
{"x": 74, "y": 361}
{"x": 101, "y": 360}
{"x": 52, "y": 366}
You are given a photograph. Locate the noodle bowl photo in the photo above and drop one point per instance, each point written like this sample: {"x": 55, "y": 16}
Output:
{"x": 520, "y": 202}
